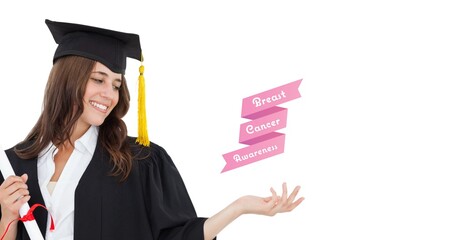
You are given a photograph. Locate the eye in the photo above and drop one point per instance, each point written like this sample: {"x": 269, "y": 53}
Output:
{"x": 97, "y": 80}
{"x": 116, "y": 88}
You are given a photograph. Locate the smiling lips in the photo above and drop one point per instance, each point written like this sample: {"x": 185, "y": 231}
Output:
{"x": 99, "y": 106}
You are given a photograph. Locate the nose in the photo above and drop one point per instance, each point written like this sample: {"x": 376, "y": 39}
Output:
{"x": 108, "y": 92}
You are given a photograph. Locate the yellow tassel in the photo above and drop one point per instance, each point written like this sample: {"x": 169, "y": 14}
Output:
{"x": 142, "y": 138}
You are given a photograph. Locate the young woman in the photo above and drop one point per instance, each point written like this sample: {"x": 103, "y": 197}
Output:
{"x": 95, "y": 181}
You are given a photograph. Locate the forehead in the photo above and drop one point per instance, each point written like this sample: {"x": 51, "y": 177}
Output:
{"x": 101, "y": 68}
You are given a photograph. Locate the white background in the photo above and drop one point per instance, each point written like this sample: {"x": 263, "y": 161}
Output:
{"x": 371, "y": 140}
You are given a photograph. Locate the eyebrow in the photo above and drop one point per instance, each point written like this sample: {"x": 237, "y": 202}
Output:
{"x": 106, "y": 75}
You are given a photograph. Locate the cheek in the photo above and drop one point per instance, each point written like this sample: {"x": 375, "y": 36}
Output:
{"x": 89, "y": 91}
{"x": 116, "y": 98}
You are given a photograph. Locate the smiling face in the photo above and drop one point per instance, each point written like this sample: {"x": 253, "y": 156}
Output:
{"x": 101, "y": 96}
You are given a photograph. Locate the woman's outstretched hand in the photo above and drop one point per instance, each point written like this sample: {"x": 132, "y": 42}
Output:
{"x": 268, "y": 206}
{"x": 271, "y": 205}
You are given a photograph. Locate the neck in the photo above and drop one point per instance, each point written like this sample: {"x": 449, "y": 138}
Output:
{"x": 78, "y": 132}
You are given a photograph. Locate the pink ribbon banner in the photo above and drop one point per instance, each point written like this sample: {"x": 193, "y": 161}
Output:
{"x": 260, "y": 133}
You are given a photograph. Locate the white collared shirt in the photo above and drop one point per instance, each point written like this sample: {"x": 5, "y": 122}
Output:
{"x": 60, "y": 203}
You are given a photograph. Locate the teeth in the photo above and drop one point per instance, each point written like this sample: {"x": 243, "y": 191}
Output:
{"x": 100, "y": 106}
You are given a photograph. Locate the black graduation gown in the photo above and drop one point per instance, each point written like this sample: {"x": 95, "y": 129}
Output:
{"x": 153, "y": 203}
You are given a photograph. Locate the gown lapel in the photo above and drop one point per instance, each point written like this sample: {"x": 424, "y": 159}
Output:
{"x": 88, "y": 198}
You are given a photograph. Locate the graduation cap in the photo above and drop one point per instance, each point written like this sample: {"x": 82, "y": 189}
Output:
{"x": 108, "y": 47}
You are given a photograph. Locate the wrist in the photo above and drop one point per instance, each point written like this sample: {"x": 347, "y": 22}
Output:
{"x": 5, "y": 220}
{"x": 238, "y": 207}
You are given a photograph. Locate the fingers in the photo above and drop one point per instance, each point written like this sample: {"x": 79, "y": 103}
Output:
{"x": 285, "y": 203}
{"x": 284, "y": 196}
{"x": 13, "y": 182}
{"x": 24, "y": 177}
{"x": 14, "y": 189}
{"x": 10, "y": 180}
{"x": 270, "y": 205}
{"x": 18, "y": 195}
{"x": 293, "y": 194}
{"x": 295, "y": 204}
{"x": 274, "y": 199}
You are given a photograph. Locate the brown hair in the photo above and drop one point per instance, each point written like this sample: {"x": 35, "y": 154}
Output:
{"x": 62, "y": 106}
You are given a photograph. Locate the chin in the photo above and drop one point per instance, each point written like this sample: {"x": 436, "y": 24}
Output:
{"x": 96, "y": 122}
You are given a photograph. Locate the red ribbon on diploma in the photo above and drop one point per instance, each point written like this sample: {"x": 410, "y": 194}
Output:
{"x": 29, "y": 217}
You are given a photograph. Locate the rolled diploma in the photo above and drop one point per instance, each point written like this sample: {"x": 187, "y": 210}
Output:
{"x": 31, "y": 226}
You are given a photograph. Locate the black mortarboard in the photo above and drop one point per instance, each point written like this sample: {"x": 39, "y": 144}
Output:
{"x": 108, "y": 47}
{"x": 111, "y": 48}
